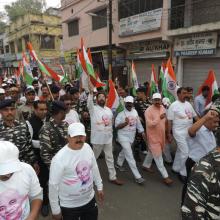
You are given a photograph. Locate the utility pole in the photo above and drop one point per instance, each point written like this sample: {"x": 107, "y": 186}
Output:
{"x": 109, "y": 21}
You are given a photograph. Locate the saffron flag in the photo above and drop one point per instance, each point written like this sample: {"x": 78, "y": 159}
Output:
{"x": 113, "y": 101}
{"x": 169, "y": 87}
{"x": 212, "y": 84}
{"x": 153, "y": 82}
{"x": 27, "y": 73}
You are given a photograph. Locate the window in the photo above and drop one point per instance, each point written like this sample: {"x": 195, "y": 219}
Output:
{"x": 19, "y": 45}
{"x": 7, "y": 49}
{"x": 99, "y": 21}
{"x": 128, "y": 8}
{"x": 26, "y": 40}
{"x": 73, "y": 28}
{"x": 12, "y": 47}
{"x": 1, "y": 47}
{"x": 47, "y": 42}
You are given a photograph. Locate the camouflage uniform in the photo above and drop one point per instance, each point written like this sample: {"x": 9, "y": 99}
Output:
{"x": 202, "y": 200}
{"x": 19, "y": 135}
{"x": 52, "y": 138}
{"x": 139, "y": 143}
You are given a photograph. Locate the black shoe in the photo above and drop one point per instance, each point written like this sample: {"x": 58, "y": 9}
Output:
{"x": 169, "y": 163}
{"x": 182, "y": 178}
{"x": 45, "y": 210}
{"x": 174, "y": 172}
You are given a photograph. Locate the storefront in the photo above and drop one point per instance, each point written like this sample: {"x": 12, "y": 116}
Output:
{"x": 146, "y": 53}
{"x": 196, "y": 55}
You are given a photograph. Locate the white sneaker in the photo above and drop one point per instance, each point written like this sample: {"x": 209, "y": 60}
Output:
{"x": 120, "y": 168}
{"x": 140, "y": 180}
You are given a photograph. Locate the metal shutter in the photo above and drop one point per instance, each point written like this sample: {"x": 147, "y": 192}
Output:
{"x": 143, "y": 69}
{"x": 195, "y": 71}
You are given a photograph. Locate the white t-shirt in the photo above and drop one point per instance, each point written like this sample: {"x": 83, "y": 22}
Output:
{"x": 128, "y": 132}
{"x": 72, "y": 173}
{"x": 16, "y": 192}
{"x": 201, "y": 144}
{"x": 181, "y": 114}
{"x": 101, "y": 123}
{"x": 71, "y": 117}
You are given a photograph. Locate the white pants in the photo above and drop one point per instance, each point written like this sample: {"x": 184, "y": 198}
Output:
{"x": 182, "y": 153}
{"x": 126, "y": 153}
{"x": 159, "y": 162}
{"x": 107, "y": 148}
{"x": 167, "y": 154}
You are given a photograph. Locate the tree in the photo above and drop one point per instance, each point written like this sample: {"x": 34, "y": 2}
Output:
{"x": 2, "y": 22}
{"x": 22, "y": 7}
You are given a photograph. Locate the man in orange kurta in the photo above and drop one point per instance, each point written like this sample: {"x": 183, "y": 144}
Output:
{"x": 155, "y": 117}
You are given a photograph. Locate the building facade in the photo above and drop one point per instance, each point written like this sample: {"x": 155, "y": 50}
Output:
{"x": 194, "y": 29}
{"x": 42, "y": 30}
{"x": 148, "y": 32}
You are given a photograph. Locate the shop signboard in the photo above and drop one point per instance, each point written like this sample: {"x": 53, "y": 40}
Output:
{"x": 140, "y": 23}
{"x": 198, "y": 44}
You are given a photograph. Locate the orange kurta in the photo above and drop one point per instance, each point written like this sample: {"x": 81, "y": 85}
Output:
{"x": 155, "y": 128}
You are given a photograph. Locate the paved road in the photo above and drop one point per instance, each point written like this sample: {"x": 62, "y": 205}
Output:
{"x": 153, "y": 201}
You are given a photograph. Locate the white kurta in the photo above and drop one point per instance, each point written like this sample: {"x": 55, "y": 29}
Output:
{"x": 181, "y": 114}
{"x": 128, "y": 132}
{"x": 101, "y": 123}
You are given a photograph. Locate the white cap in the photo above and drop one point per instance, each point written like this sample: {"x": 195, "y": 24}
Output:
{"x": 166, "y": 101}
{"x": 156, "y": 96}
{"x": 129, "y": 99}
{"x": 2, "y": 91}
{"x": 9, "y": 162}
{"x": 76, "y": 129}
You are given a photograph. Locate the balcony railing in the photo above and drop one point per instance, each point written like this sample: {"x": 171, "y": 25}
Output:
{"x": 197, "y": 13}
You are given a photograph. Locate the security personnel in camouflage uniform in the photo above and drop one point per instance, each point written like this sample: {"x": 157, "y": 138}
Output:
{"x": 54, "y": 133}
{"x": 26, "y": 111}
{"x": 141, "y": 103}
{"x": 16, "y": 132}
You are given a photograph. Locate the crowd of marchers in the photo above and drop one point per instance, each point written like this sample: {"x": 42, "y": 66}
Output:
{"x": 52, "y": 135}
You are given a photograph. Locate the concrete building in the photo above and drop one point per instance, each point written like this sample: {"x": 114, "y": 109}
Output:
{"x": 194, "y": 27}
{"x": 139, "y": 34}
{"x": 148, "y": 32}
{"x": 42, "y": 30}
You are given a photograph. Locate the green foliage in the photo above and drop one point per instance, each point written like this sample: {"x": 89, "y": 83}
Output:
{"x": 22, "y": 7}
{"x": 2, "y": 27}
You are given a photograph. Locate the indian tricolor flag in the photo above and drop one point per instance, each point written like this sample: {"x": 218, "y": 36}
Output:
{"x": 169, "y": 87}
{"x": 43, "y": 67}
{"x": 212, "y": 84}
{"x": 84, "y": 79}
{"x": 27, "y": 73}
{"x": 162, "y": 71}
{"x": 113, "y": 101}
{"x": 79, "y": 69}
{"x": 153, "y": 82}
{"x": 134, "y": 80}
{"x": 88, "y": 63}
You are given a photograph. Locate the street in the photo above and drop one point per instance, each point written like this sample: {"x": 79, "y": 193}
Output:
{"x": 152, "y": 201}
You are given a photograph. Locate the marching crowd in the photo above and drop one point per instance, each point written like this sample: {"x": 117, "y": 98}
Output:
{"x": 52, "y": 135}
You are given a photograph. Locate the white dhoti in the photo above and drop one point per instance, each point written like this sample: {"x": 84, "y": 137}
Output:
{"x": 126, "y": 153}
{"x": 181, "y": 153}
